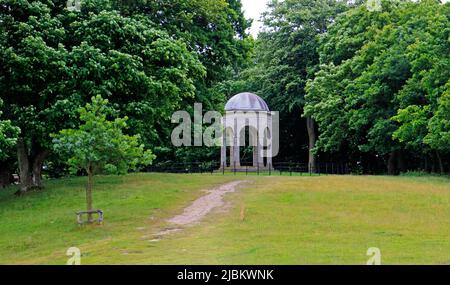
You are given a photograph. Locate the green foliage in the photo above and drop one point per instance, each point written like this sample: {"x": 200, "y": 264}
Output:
{"x": 8, "y": 137}
{"x": 285, "y": 57}
{"x": 52, "y": 61}
{"x": 140, "y": 69}
{"x": 383, "y": 79}
{"x": 215, "y": 30}
{"x": 288, "y": 49}
{"x": 376, "y": 82}
{"x": 438, "y": 136}
{"x": 32, "y": 63}
{"x": 413, "y": 128}
{"x": 99, "y": 145}
{"x": 422, "y": 174}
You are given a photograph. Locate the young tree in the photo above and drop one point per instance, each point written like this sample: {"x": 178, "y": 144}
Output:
{"x": 100, "y": 146}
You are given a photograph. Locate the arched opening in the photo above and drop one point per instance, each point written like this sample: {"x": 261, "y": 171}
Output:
{"x": 248, "y": 142}
{"x": 229, "y": 138}
{"x": 267, "y": 147}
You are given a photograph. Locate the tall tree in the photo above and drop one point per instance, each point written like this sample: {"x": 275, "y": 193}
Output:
{"x": 215, "y": 30}
{"x": 286, "y": 57}
{"x": 31, "y": 64}
{"x": 376, "y": 65}
{"x": 52, "y": 61}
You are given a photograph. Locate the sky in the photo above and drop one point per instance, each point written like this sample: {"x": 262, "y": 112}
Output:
{"x": 253, "y": 9}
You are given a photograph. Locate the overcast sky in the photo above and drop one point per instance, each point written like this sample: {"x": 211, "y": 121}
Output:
{"x": 253, "y": 9}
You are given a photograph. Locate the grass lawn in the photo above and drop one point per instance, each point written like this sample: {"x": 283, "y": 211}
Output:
{"x": 288, "y": 220}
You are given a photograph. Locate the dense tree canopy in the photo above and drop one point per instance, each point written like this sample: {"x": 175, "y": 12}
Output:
{"x": 8, "y": 140}
{"x": 352, "y": 83}
{"x": 8, "y": 137}
{"x": 215, "y": 30}
{"x": 53, "y": 60}
{"x": 286, "y": 57}
{"x": 382, "y": 81}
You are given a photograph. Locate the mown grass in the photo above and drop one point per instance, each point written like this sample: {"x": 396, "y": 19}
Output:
{"x": 288, "y": 220}
{"x": 39, "y": 227}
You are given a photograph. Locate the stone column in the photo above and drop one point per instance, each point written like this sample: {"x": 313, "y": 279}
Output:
{"x": 270, "y": 141}
{"x": 259, "y": 147}
{"x": 269, "y": 157}
{"x": 232, "y": 156}
{"x": 255, "y": 156}
{"x": 223, "y": 151}
{"x": 235, "y": 153}
{"x": 268, "y": 146}
{"x": 260, "y": 156}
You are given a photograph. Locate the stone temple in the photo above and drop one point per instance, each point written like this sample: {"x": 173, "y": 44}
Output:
{"x": 247, "y": 124}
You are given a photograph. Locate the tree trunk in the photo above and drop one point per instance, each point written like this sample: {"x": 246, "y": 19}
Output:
{"x": 433, "y": 163}
{"x": 5, "y": 176}
{"x": 311, "y": 126}
{"x": 89, "y": 193}
{"x": 24, "y": 167}
{"x": 401, "y": 162}
{"x": 38, "y": 162}
{"x": 30, "y": 166}
{"x": 391, "y": 163}
{"x": 427, "y": 164}
{"x": 441, "y": 165}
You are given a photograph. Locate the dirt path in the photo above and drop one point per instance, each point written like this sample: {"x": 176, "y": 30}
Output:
{"x": 203, "y": 205}
{"x": 200, "y": 208}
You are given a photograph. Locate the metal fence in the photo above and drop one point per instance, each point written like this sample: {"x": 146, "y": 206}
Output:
{"x": 277, "y": 168}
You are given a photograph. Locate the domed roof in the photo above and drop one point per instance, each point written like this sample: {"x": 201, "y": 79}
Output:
{"x": 246, "y": 102}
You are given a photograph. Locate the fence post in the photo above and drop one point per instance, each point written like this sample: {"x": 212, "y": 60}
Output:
{"x": 246, "y": 170}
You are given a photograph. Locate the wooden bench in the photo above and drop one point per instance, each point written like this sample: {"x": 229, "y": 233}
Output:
{"x": 98, "y": 220}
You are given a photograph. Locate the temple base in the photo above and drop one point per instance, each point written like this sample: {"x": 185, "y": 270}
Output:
{"x": 246, "y": 169}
